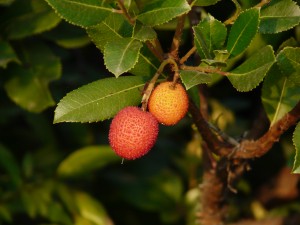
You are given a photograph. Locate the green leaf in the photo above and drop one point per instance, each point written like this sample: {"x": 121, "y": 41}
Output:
{"x": 99, "y": 100}
{"x": 32, "y": 17}
{"x": 289, "y": 62}
{"x": 161, "y": 11}
{"x": 243, "y": 31}
{"x": 28, "y": 86}
{"x": 192, "y": 78}
{"x": 113, "y": 28}
{"x": 86, "y": 160}
{"x": 147, "y": 64}
{"x": 279, "y": 94}
{"x": 278, "y": 16}
{"x": 121, "y": 56}
{"x": 83, "y": 13}
{"x": 68, "y": 36}
{"x": 91, "y": 209}
{"x": 9, "y": 164}
{"x": 7, "y": 54}
{"x": 296, "y": 141}
{"x": 209, "y": 35}
{"x": 205, "y": 2}
{"x": 143, "y": 33}
{"x": 250, "y": 73}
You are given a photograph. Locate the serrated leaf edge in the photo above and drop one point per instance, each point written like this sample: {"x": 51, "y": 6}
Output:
{"x": 68, "y": 121}
{"x": 254, "y": 35}
{"x": 297, "y": 150}
{"x": 136, "y": 60}
{"x": 75, "y": 24}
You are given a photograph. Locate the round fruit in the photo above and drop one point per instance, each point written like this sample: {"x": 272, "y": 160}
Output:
{"x": 168, "y": 103}
{"x": 133, "y": 132}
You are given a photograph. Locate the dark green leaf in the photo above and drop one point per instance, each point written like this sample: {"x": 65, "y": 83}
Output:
{"x": 162, "y": 11}
{"x": 209, "y": 35}
{"x": 113, "y": 28}
{"x": 192, "y": 78}
{"x": 9, "y": 164}
{"x": 91, "y": 209}
{"x": 243, "y": 31}
{"x": 28, "y": 86}
{"x": 121, "y": 56}
{"x": 249, "y": 74}
{"x": 83, "y": 13}
{"x": 296, "y": 141}
{"x": 279, "y": 15}
{"x": 68, "y": 36}
{"x": 7, "y": 54}
{"x": 86, "y": 160}
{"x": 99, "y": 100}
{"x": 6, "y": 214}
{"x": 143, "y": 33}
{"x": 289, "y": 62}
{"x": 147, "y": 64}
{"x": 32, "y": 17}
{"x": 205, "y": 2}
{"x": 279, "y": 94}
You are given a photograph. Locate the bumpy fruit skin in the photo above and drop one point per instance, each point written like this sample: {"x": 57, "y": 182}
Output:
{"x": 133, "y": 132}
{"x": 168, "y": 104}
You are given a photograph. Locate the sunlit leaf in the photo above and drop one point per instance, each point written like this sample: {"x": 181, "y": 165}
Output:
{"x": 279, "y": 94}
{"x": 205, "y": 2}
{"x": 243, "y": 31}
{"x": 121, "y": 56}
{"x": 279, "y": 15}
{"x": 209, "y": 35}
{"x": 192, "y": 78}
{"x": 82, "y": 12}
{"x": 86, "y": 160}
{"x": 113, "y": 28}
{"x": 296, "y": 141}
{"x": 289, "y": 62}
{"x": 162, "y": 11}
{"x": 252, "y": 71}
{"x": 99, "y": 100}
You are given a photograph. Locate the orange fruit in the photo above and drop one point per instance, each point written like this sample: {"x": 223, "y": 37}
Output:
{"x": 168, "y": 103}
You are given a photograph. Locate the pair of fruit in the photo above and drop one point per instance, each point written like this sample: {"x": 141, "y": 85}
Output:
{"x": 133, "y": 132}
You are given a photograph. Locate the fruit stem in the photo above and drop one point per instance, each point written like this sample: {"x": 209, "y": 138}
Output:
{"x": 149, "y": 88}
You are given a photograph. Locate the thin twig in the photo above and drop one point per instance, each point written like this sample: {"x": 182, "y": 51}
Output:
{"x": 187, "y": 55}
{"x": 177, "y": 37}
{"x": 152, "y": 82}
{"x": 125, "y": 12}
{"x": 155, "y": 47}
{"x": 262, "y": 3}
{"x": 204, "y": 69}
{"x": 235, "y": 15}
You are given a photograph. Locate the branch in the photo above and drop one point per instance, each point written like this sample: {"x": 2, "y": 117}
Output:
{"x": 177, "y": 37}
{"x": 187, "y": 55}
{"x": 155, "y": 47}
{"x": 250, "y": 149}
{"x": 214, "y": 144}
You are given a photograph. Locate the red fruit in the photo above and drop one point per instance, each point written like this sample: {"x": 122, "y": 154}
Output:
{"x": 133, "y": 132}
